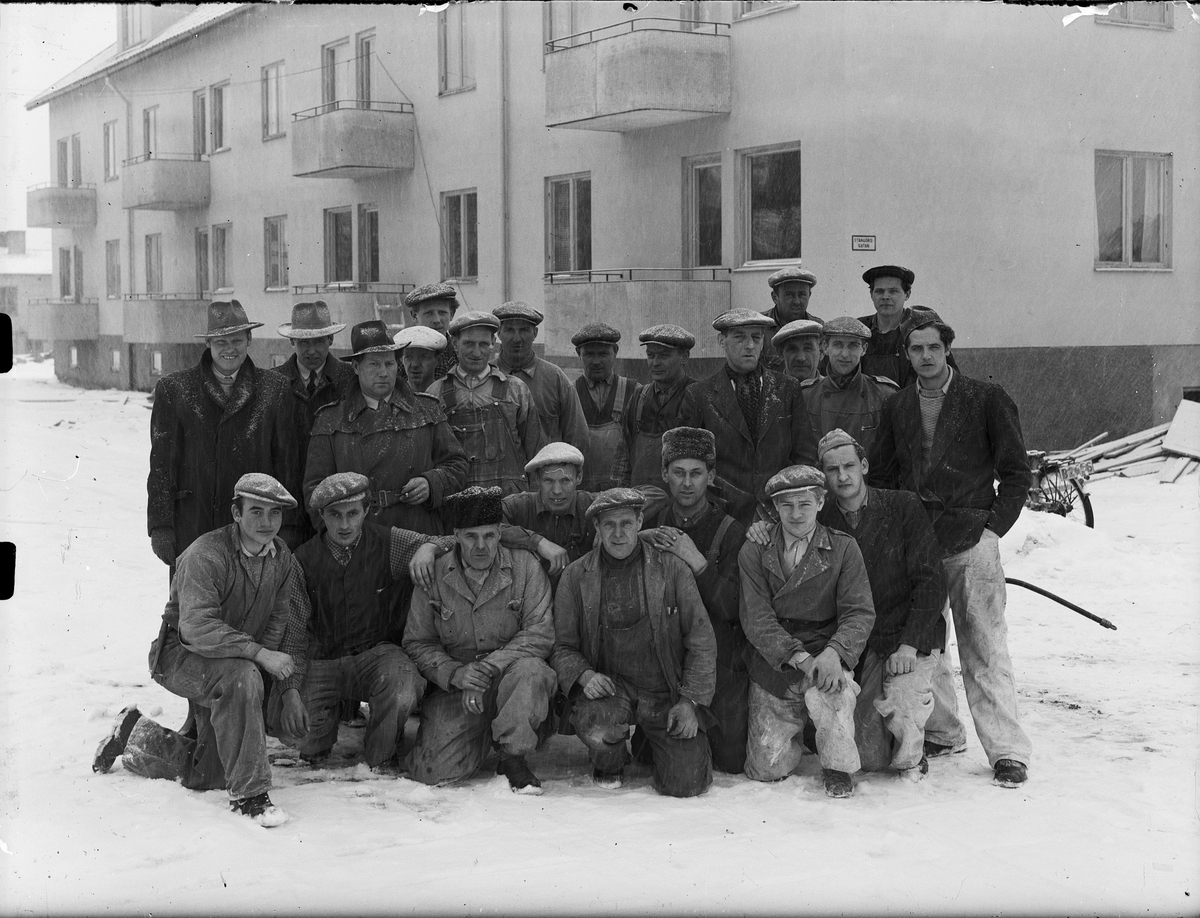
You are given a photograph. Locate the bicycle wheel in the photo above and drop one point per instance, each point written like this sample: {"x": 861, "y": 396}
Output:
{"x": 1082, "y": 507}
{"x": 1066, "y": 498}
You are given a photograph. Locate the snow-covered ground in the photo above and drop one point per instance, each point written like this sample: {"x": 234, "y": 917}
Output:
{"x": 1107, "y": 823}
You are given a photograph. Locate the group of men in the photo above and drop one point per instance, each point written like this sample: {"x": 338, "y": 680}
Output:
{"x": 692, "y": 573}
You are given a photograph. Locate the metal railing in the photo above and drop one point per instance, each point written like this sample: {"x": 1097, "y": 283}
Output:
{"x": 695, "y": 27}
{"x": 369, "y": 105}
{"x": 169, "y": 157}
{"x": 351, "y": 287}
{"x": 197, "y": 297}
{"x": 64, "y": 301}
{"x": 43, "y": 185}
{"x": 614, "y": 275}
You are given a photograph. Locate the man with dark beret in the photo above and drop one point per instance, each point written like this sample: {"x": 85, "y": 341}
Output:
{"x": 891, "y": 286}
{"x": 791, "y": 289}
{"x": 606, "y": 398}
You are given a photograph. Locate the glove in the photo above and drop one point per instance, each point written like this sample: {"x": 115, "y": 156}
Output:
{"x": 162, "y": 542}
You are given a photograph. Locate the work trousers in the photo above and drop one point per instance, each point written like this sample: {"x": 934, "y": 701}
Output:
{"x": 730, "y": 709}
{"x": 975, "y": 582}
{"x": 775, "y": 744}
{"x": 452, "y": 743}
{"x": 889, "y": 719}
{"x": 682, "y": 767}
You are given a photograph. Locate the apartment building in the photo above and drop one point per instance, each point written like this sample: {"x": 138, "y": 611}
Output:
{"x": 24, "y": 278}
{"x": 639, "y": 167}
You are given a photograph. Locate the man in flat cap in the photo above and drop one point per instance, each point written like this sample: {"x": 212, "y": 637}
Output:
{"x": 605, "y": 397}
{"x": 557, "y": 404}
{"x": 696, "y": 529}
{"x": 221, "y": 630}
{"x": 420, "y": 350}
{"x": 433, "y": 306}
{"x": 491, "y": 413}
{"x": 317, "y": 377}
{"x": 634, "y": 646}
{"x": 791, "y": 289}
{"x": 210, "y": 425}
{"x": 757, "y": 415}
{"x": 807, "y": 611}
{"x": 655, "y": 408}
{"x": 398, "y": 438}
{"x": 799, "y": 346}
{"x": 949, "y": 438}
{"x": 847, "y": 398}
{"x": 480, "y": 632}
{"x": 350, "y": 650}
{"x": 891, "y": 286}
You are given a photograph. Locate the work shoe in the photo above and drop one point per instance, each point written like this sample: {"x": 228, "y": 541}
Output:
{"x": 936, "y": 750}
{"x": 1009, "y": 773}
{"x": 261, "y": 810}
{"x": 837, "y": 783}
{"x": 392, "y": 768}
{"x": 607, "y": 780}
{"x": 520, "y": 778}
{"x": 113, "y": 745}
{"x": 917, "y": 772}
{"x": 317, "y": 759}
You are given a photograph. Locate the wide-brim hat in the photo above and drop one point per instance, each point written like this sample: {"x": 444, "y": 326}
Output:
{"x": 226, "y": 318}
{"x": 310, "y": 320}
{"x": 371, "y": 338}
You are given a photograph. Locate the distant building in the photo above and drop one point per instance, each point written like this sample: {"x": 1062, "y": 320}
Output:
{"x": 643, "y": 167}
{"x": 24, "y": 277}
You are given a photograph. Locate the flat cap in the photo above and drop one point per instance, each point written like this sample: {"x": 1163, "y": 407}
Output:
{"x": 472, "y": 318}
{"x": 338, "y": 488}
{"x": 262, "y": 487}
{"x": 689, "y": 443}
{"x": 420, "y": 336}
{"x": 846, "y": 325}
{"x": 554, "y": 454}
{"x": 918, "y": 317}
{"x": 798, "y": 329}
{"x": 794, "y": 478}
{"x": 427, "y": 292}
{"x": 668, "y": 335}
{"x": 598, "y": 332}
{"x": 832, "y": 440}
{"x": 739, "y": 318}
{"x": 615, "y": 499}
{"x": 792, "y": 274}
{"x": 475, "y": 506}
{"x": 518, "y": 310}
{"x": 904, "y": 274}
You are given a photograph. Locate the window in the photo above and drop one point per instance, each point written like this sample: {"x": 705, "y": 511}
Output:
{"x": 1146, "y": 15}
{"x": 219, "y": 140}
{"x": 73, "y": 356}
{"x": 64, "y": 162}
{"x": 339, "y": 245}
{"x": 569, "y": 222}
{"x": 150, "y": 129}
{"x": 112, "y": 269}
{"x": 693, "y": 12}
{"x": 771, "y": 204}
{"x": 134, "y": 29}
{"x": 78, "y": 275}
{"x": 116, "y": 360}
{"x": 110, "y": 150}
{"x": 744, "y": 8}
{"x": 275, "y": 252}
{"x": 365, "y": 58}
{"x": 64, "y": 274}
{"x": 222, "y": 275}
{"x": 558, "y": 21}
{"x": 335, "y": 71}
{"x": 156, "y": 363}
{"x": 702, "y": 200}
{"x": 460, "y": 225}
{"x": 456, "y": 69}
{"x": 154, "y": 263}
{"x": 202, "y": 277}
{"x": 368, "y": 243}
{"x": 272, "y": 101}
{"x": 1133, "y": 209}
{"x": 200, "y": 122}
{"x": 76, "y": 162}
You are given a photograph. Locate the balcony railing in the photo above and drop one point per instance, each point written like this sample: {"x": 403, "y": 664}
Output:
{"x": 649, "y": 23}
{"x": 613, "y": 275}
{"x": 353, "y": 139}
{"x": 353, "y": 302}
{"x": 165, "y": 181}
{"x": 52, "y": 205}
{"x": 358, "y": 105}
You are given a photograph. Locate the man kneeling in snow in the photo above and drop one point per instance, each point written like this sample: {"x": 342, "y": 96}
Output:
{"x": 481, "y": 633}
{"x": 224, "y": 620}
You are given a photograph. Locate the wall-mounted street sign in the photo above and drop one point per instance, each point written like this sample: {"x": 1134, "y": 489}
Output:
{"x": 862, "y": 243}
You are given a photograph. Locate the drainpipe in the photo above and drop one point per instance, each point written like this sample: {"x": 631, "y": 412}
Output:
{"x": 505, "y": 267}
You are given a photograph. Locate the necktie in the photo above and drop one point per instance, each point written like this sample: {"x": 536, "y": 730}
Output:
{"x": 312, "y": 384}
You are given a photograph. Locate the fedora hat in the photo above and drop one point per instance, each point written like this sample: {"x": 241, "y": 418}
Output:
{"x": 310, "y": 320}
{"x": 226, "y": 318}
{"x": 371, "y": 338}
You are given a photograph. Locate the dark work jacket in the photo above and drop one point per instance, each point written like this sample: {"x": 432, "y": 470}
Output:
{"x": 785, "y": 436}
{"x": 357, "y": 606}
{"x": 885, "y": 354}
{"x": 201, "y": 443}
{"x": 904, "y": 565}
{"x": 977, "y": 441}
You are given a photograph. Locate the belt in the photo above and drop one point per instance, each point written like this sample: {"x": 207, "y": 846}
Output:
{"x": 384, "y": 499}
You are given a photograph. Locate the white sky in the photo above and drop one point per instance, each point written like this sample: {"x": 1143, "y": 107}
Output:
{"x": 39, "y": 43}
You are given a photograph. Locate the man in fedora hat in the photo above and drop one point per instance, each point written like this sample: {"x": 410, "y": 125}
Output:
{"x": 210, "y": 425}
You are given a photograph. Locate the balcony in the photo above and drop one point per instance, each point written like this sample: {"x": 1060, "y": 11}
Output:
{"x": 631, "y": 299}
{"x": 164, "y": 318}
{"x": 60, "y": 205}
{"x": 639, "y": 74}
{"x": 353, "y": 302}
{"x": 352, "y": 139}
{"x": 56, "y": 319}
{"x": 165, "y": 181}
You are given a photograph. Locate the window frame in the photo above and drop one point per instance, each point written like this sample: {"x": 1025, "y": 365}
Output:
{"x": 330, "y": 238}
{"x": 691, "y": 223}
{"x": 1166, "y": 177}
{"x": 270, "y": 257}
{"x": 745, "y": 214}
{"x": 200, "y": 136}
{"x": 468, "y": 241}
{"x": 465, "y": 50}
{"x": 368, "y": 249}
{"x": 112, "y": 269}
{"x": 548, "y": 32}
{"x": 152, "y": 243}
{"x": 329, "y": 65}
{"x": 203, "y": 262}
{"x": 218, "y": 102}
{"x": 744, "y": 9}
{"x": 150, "y": 130}
{"x": 221, "y": 268}
{"x": 156, "y": 363}
{"x": 110, "y": 151}
{"x": 62, "y": 172}
{"x": 1118, "y": 15}
{"x": 66, "y": 263}
{"x": 573, "y": 178}
{"x": 76, "y": 161}
{"x": 363, "y": 82}
{"x": 278, "y": 69}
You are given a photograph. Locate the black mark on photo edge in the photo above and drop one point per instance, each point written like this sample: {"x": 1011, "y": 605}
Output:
{"x": 6, "y": 342}
{"x": 8, "y": 568}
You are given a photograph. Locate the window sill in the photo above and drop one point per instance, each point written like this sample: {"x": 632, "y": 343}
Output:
{"x": 111, "y": 178}
{"x": 275, "y": 289}
{"x": 1153, "y": 26}
{"x": 461, "y": 280}
{"x": 272, "y": 137}
{"x": 219, "y": 150}
{"x": 222, "y": 291}
{"x": 758, "y": 14}
{"x": 753, "y": 266}
{"x": 1136, "y": 269}
{"x": 456, "y": 91}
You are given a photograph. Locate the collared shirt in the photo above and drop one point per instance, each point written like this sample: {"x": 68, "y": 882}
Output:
{"x": 305, "y": 372}
{"x": 372, "y": 403}
{"x": 225, "y": 382}
{"x": 794, "y": 549}
{"x": 599, "y": 390}
{"x": 854, "y": 516}
{"x": 471, "y": 386}
{"x": 267, "y": 551}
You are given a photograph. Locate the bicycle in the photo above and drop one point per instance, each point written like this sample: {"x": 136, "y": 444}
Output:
{"x": 1058, "y": 487}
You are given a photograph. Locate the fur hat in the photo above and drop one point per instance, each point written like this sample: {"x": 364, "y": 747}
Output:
{"x": 689, "y": 443}
{"x": 475, "y": 506}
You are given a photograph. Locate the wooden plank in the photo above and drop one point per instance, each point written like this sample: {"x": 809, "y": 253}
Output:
{"x": 1149, "y": 467}
{"x": 1173, "y": 469}
{"x": 1183, "y": 437}
{"x": 1151, "y": 451}
{"x": 1132, "y": 440}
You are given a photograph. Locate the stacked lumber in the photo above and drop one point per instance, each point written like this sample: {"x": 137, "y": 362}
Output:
{"x": 1169, "y": 450}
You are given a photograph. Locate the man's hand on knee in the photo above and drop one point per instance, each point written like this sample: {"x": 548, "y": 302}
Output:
{"x": 681, "y": 719}
{"x": 904, "y": 660}
{"x": 827, "y": 672}
{"x": 476, "y": 676}
{"x": 597, "y": 685}
{"x": 278, "y": 664}
{"x": 294, "y": 720}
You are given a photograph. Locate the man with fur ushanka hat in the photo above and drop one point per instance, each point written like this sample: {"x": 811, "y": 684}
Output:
{"x": 481, "y": 632}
